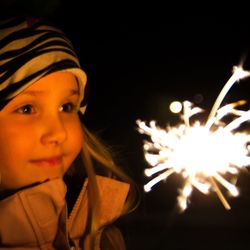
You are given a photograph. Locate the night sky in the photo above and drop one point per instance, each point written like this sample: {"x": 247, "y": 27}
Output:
{"x": 137, "y": 63}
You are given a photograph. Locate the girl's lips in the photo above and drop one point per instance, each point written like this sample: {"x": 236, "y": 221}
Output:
{"x": 50, "y": 162}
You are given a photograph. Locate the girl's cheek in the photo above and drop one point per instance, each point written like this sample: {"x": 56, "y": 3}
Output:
{"x": 76, "y": 133}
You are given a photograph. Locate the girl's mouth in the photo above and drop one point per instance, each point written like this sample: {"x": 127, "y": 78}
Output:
{"x": 48, "y": 162}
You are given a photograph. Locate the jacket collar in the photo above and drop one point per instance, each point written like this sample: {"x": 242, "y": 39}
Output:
{"x": 31, "y": 216}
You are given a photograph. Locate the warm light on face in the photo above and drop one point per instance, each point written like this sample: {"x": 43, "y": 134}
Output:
{"x": 40, "y": 132}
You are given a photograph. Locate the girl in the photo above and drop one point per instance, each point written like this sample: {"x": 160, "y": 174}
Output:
{"x": 59, "y": 187}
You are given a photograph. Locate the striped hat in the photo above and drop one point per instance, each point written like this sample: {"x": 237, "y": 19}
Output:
{"x": 30, "y": 49}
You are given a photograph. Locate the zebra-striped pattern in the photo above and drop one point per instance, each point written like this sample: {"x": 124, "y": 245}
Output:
{"x": 30, "y": 49}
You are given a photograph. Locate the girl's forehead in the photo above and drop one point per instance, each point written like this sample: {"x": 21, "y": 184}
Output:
{"x": 56, "y": 81}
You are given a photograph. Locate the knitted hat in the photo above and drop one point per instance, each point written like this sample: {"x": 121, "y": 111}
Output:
{"x": 30, "y": 49}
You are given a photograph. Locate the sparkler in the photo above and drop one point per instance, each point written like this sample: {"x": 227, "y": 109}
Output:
{"x": 201, "y": 153}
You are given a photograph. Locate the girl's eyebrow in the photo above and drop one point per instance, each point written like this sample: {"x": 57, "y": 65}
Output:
{"x": 72, "y": 92}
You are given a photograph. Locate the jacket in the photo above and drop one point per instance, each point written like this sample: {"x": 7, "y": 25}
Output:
{"x": 37, "y": 218}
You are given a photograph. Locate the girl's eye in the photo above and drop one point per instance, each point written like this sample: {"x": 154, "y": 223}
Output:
{"x": 26, "y": 109}
{"x": 68, "y": 107}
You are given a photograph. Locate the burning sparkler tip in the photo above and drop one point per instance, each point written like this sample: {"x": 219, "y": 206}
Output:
{"x": 201, "y": 154}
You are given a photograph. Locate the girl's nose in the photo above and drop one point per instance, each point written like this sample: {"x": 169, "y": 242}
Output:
{"x": 54, "y": 132}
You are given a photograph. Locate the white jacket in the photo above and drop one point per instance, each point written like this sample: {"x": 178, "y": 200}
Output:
{"x": 37, "y": 218}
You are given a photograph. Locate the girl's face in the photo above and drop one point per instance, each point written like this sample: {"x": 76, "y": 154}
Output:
{"x": 40, "y": 132}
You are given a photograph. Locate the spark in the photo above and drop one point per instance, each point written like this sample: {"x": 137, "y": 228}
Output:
{"x": 201, "y": 153}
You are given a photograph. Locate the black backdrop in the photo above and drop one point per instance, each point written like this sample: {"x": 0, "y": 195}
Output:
{"x": 137, "y": 62}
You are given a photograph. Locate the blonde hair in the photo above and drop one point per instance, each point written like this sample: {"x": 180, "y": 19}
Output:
{"x": 96, "y": 159}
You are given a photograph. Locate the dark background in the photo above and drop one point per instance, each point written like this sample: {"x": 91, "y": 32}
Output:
{"x": 137, "y": 62}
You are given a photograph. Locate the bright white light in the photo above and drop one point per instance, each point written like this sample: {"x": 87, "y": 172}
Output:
{"x": 201, "y": 153}
{"x": 175, "y": 107}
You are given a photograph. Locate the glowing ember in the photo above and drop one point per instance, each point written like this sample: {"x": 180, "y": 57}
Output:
{"x": 201, "y": 153}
